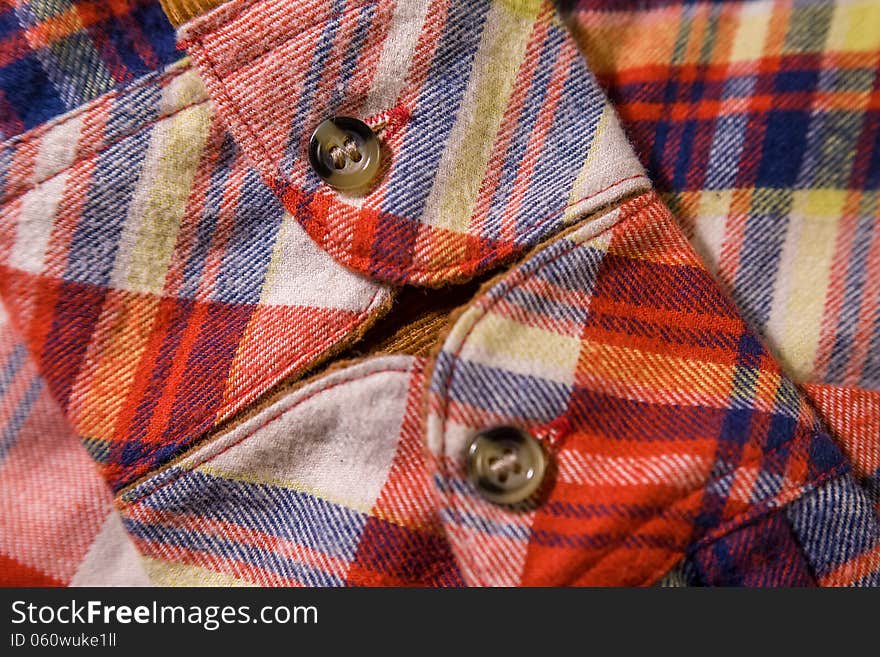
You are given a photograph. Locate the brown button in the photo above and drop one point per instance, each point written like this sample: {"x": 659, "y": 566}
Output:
{"x": 345, "y": 153}
{"x": 505, "y": 464}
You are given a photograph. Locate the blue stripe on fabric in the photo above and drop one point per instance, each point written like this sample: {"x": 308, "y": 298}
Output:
{"x": 484, "y": 525}
{"x": 8, "y": 21}
{"x": 784, "y": 147}
{"x": 835, "y": 523}
{"x": 536, "y": 304}
{"x": 576, "y": 269}
{"x": 681, "y": 166}
{"x": 245, "y": 553}
{"x": 209, "y": 216}
{"x": 872, "y": 177}
{"x": 352, "y": 53}
{"x": 11, "y": 366}
{"x": 9, "y": 433}
{"x": 134, "y": 110}
{"x": 767, "y": 486}
{"x": 288, "y": 514}
{"x": 505, "y": 393}
{"x": 249, "y": 250}
{"x": 436, "y": 109}
{"x": 29, "y": 93}
{"x": 750, "y": 354}
{"x": 656, "y": 158}
{"x": 756, "y": 276}
{"x": 516, "y": 151}
{"x": 853, "y": 292}
{"x": 96, "y": 237}
{"x": 727, "y": 146}
{"x": 739, "y": 86}
{"x": 565, "y": 149}
{"x": 833, "y": 143}
{"x": 309, "y": 87}
{"x": 154, "y": 26}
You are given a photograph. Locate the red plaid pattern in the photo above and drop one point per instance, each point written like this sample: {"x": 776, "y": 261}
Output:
{"x": 160, "y": 271}
{"x": 56, "y": 55}
{"x": 669, "y": 423}
{"x": 57, "y": 521}
{"x": 252, "y": 507}
{"x": 759, "y": 123}
{"x": 156, "y": 280}
{"x": 494, "y": 134}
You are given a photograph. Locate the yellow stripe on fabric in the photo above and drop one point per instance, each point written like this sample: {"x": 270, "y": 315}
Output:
{"x": 180, "y": 143}
{"x": 498, "y": 58}
{"x": 855, "y": 27}
{"x": 111, "y": 364}
{"x": 816, "y": 236}
{"x": 181, "y": 11}
{"x": 598, "y": 148}
{"x": 523, "y": 8}
{"x": 636, "y": 374}
{"x": 167, "y": 573}
{"x": 751, "y": 33}
{"x": 515, "y": 347}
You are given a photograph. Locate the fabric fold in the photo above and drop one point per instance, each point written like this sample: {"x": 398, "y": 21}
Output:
{"x": 494, "y": 134}
{"x": 669, "y": 424}
{"x": 157, "y": 282}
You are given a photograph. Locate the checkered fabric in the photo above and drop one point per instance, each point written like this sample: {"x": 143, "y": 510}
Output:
{"x": 759, "y": 122}
{"x": 673, "y": 434}
{"x": 167, "y": 257}
{"x": 57, "y": 522}
{"x": 670, "y": 425}
{"x": 495, "y": 135}
{"x": 254, "y": 507}
{"x": 853, "y": 417}
{"x": 58, "y": 54}
{"x": 156, "y": 280}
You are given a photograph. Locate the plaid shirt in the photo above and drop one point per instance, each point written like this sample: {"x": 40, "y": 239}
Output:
{"x": 674, "y": 210}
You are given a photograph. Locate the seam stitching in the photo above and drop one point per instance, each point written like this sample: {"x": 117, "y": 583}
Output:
{"x": 627, "y": 213}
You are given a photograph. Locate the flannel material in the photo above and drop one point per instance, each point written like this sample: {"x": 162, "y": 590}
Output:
{"x": 760, "y": 124}
{"x": 853, "y": 417}
{"x": 155, "y": 278}
{"x": 167, "y": 257}
{"x": 58, "y": 54}
{"x": 670, "y": 425}
{"x": 672, "y": 432}
{"x": 494, "y": 133}
{"x": 256, "y": 507}
{"x": 57, "y": 522}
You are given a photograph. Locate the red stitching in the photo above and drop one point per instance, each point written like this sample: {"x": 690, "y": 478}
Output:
{"x": 628, "y": 211}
